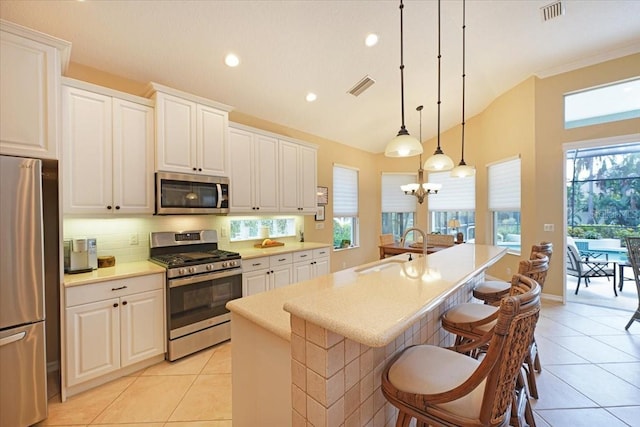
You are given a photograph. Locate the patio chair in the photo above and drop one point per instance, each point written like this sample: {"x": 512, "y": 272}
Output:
{"x": 587, "y": 269}
{"x": 633, "y": 246}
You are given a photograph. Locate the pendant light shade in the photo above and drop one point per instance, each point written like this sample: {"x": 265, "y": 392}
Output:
{"x": 403, "y": 145}
{"x": 463, "y": 170}
{"x": 439, "y": 161}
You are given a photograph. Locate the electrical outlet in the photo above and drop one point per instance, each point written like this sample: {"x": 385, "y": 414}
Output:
{"x": 223, "y": 232}
{"x": 549, "y": 227}
{"x": 508, "y": 271}
{"x": 133, "y": 239}
{"x": 319, "y": 225}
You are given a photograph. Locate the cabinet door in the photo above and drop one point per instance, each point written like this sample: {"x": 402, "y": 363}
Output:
{"x": 133, "y": 158}
{"x": 289, "y": 183}
{"x": 302, "y": 271}
{"x": 321, "y": 267}
{"x": 93, "y": 340}
{"x": 211, "y": 141}
{"x": 87, "y": 151}
{"x": 254, "y": 282}
{"x": 308, "y": 198}
{"x": 280, "y": 276}
{"x": 29, "y": 81}
{"x": 241, "y": 166}
{"x": 266, "y": 173}
{"x": 175, "y": 134}
{"x": 142, "y": 326}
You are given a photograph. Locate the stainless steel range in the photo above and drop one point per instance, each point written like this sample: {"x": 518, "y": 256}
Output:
{"x": 201, "y": 279}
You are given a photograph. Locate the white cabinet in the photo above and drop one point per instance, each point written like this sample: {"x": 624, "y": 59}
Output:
{"x": 298, "y": 176}
{"x": 31, "y": 64}
{"x": 108, "y": 151}
{"x": 191, "y": 133}
{"x": 266, "y": 273}
{"x": 111, "y": 325}
{"x": 310, "y": 264}
{"x": 253, "y": 172}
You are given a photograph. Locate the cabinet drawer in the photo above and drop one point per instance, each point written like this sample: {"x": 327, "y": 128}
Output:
{"x": 113, "y": 289}
{"x": 320, "y": 253}
{"x": 302, "y": 256}
{"x": 255, "y": 264}
{"x": 276, "y": 260}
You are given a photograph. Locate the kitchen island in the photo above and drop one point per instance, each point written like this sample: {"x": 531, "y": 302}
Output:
{"x": 313, "y": 352}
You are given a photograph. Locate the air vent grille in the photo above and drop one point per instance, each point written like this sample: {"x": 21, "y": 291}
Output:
{"x": 361, "y": 86}
{"x": 552, "y": 11}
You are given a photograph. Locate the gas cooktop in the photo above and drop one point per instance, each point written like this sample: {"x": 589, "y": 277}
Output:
{"x": 183, "y": 259}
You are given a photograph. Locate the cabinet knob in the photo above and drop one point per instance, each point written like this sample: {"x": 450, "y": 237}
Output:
{"x": 124, "y": 303}
{"x": 199, "y": 169}
{"x": 268, "y": 272}
{"x": 258, "y": 208}
{"x": 117, "y": 207}
{"x": 109, "y": 207}
{"x": 115, "y": 304}
{"x": 195, "y": 169}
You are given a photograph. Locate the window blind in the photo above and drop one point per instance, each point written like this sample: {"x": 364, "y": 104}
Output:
{"x": 457, "y": 194}
{"x": 393, "y": 198}
{"x": 504, "y": 185}
{"x": 345, "y": 191}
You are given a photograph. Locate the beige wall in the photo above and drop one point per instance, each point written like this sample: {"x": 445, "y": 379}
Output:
{"x": 526, "y": 120}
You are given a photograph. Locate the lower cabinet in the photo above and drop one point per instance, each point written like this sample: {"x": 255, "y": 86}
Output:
{"x": 266, "y": 273}
{"x": 114, "y": 324}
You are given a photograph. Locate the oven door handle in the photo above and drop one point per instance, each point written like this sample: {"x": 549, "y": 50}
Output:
{"x": 183, "y": 281}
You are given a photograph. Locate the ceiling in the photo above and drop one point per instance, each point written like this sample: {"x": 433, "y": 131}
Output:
{"x": 288, "y": 48}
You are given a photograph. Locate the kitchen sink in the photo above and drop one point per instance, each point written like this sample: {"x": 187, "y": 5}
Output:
{"x": 386, "y": 263}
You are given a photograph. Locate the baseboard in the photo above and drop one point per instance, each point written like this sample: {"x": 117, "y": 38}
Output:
{"x": 550, "y": 297}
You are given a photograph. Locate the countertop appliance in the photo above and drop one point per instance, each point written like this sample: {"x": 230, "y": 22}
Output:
{"x": 201, "y": 279}
{"x": 187, "y": 194}
{"x": 23, "y": 376}
{"x": 80, "y": 255}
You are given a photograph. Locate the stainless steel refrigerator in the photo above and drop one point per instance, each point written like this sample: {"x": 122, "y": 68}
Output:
{"x": 23, "y": 382}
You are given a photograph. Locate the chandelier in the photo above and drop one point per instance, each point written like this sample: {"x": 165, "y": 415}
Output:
{"x": 420, "y": 189}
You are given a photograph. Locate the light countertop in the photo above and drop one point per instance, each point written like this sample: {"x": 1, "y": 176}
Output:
{"x": 373, "y": 303}
{"x": 119, "y": 271}
{"x": 248, "y": 253}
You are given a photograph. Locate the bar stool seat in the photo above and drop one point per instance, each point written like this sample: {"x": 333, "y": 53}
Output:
{"x": 469, "y": 320}
{"x": 491, "y": 291}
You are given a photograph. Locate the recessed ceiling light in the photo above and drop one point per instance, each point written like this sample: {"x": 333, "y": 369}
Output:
{"x": 371, "y": 40}
{"x": 311, "y": 97}
{"x": 232, "y": 60}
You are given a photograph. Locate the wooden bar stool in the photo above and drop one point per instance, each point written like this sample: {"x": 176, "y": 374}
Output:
{"x": 437, "y": 386}
{"x": 491, "y": 291}
{"x": 470, "y": 321}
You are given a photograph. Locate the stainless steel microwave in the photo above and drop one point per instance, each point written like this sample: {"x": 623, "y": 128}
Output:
{"x": 186, "y": 194}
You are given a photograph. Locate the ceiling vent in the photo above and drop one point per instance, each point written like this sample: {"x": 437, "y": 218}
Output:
{"x": 361, "y": 86}
{"x": 552, "y": 11}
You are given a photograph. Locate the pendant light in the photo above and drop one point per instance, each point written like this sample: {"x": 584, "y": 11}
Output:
{"x": 421, "y": 189}
{"x": 463, "y": 170}
{"x": 438, "y": 161}
{"x": 403, "y": 145}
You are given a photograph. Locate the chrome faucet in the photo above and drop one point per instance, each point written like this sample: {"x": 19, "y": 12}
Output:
{"x": 424, "y": 238}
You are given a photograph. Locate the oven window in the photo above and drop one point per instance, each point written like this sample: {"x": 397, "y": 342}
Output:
{"x": 203, "y": 300}
{"x": 185, "y": 194}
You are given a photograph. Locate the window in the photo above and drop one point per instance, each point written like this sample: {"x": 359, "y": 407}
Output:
{"x": 345, "y": 207}
{"x": 618, "y": 101}
{"x": 249, "y": 228}
{"x": 398, "y": 209}
{"x": 456, "y": 200}
{"x": 504, "y": 203}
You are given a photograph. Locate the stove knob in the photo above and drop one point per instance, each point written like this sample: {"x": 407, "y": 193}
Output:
{"x": 181, "y": 271}
{"x": 225, "y": 264}
{"x": 232, "y": 263}
{"x": 192, "y": 269}
{"x": 209, "y": 267}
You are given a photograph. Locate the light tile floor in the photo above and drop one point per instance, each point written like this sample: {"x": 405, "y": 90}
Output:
{"x": 590, "y": 377}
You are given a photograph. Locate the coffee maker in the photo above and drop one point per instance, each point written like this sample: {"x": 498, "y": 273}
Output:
{"x": 80, "y": 255}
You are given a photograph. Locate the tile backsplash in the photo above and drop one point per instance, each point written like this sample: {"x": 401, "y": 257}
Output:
{"x": 114, "y": 235}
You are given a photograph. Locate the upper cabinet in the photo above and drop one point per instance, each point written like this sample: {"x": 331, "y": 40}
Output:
{"x": 269, "y": 173}
{"x": 298, "y": 178}
{"x": 191, "y": 133}
{"x": 108, "y": 151}
{"x": 31, "y": 64}
{"x": 253, "y": 172}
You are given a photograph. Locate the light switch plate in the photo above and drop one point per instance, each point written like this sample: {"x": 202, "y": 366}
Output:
{"x": 549, "y": 227}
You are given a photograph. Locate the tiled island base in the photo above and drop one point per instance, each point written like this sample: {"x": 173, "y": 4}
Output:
{"x": 335, "y": 381}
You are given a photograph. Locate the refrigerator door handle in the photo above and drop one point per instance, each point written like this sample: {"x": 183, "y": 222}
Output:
{"x": 12, "y": 338}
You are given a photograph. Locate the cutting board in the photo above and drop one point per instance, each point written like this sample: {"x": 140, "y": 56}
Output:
{"x": 268, "y": 245}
